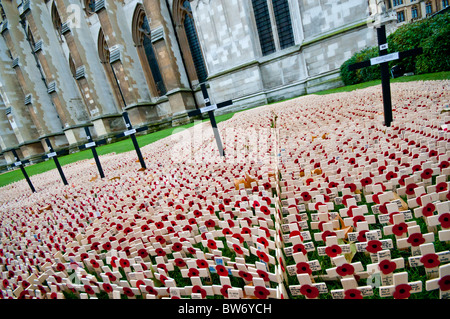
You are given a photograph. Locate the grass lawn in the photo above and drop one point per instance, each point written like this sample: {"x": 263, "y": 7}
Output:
{"x": 126, "y": 145}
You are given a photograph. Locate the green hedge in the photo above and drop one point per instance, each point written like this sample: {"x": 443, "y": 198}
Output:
{"x": 432, "y": 34}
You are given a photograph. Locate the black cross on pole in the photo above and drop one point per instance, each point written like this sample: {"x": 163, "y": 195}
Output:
{"x": 132, "y": 132}
{"x": 20, "y": 163}
{"x": 210, "y": 108}
{"x": 92, "y": 145}
{"x": 383, "y": 60}
{"x": 55, "y": 155}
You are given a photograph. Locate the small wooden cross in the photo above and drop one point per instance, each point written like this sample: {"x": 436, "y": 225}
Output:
{"x": 442, "y": 282}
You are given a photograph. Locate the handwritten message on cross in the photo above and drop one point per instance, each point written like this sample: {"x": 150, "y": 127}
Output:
{"x": 383, "y": 60}
{"x": 210, "y": 108}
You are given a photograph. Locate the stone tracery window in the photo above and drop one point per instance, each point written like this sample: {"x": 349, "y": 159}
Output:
{"x": 142, "y": 39}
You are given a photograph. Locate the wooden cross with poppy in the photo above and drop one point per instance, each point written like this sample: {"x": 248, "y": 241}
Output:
{"x": 260, "y": 291}
{"x": 227, "y": 290}
{"x": 307, "y": 288}
{"x": 198, "y": 290}
{"x": 385, "y": 266}
{"x": 302, "y": 265}
{"x": 401, "y": 288}
{"x": 344, "y": 269}
{"x": 327, "y": 228}
{"x": 442, "y": 218}
{"x": 414, "y": 240}
{"x": 442, "y": 282}
{"x": 399, "y": 227}
{"x": 351, "y": 290}
{"x": 429, "y": 259}
{"x": 298, "y": 245}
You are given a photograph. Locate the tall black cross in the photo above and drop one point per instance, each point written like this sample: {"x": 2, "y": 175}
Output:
{"x": 132, "y": 132}
{"x": 21, "y": 164}
{"x": 92, "y": 145}
{"x": 383, "y": 60}
{"x": 210, "y": 108}
{"x": 55, "y": 155}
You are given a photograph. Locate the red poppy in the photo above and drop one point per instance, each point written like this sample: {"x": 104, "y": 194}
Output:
{"x": 391, "y": 175}
{"x": 263, "y": 241}
{"x": 267, "y": 186}
{"x": 306, "y": 197}
{"x": 402, "y": 291}
{"x": 162, "y": 266}
{"x": 401, "y": 181}
{"x": 246, "y": 231}
{"x": 94, "y": 263}
{"x": 211, "y": 244}
{"x": 327, "y": 233}
{"x": 159, "y": 225}
{"x": 387, "y": 267}
{"x": 88, "y": 289}
{"x": 192, "y": 250}
{"x": 142, "y": 253}
{"x": 193, "y": 272}
{"x": 224, "y": 290}
{"x": 400, "y": 229}
{"x": 160, "y": 252}
{"x": 410, "y": 188}
{"x": 262, "y": 274}
{"x": 430, "y": 260}
{"x": 345, "y": 270}
{"x": 352, "y": 187}
{"x": 309, "y": 291}
{"x": 239, "y": 237}
{"x": 416, "y": 168}
{"x": 60, "y": 267}
{"x": 107, "y": 287}
{"x": 441, "y": 187}
{"x": 303, "y": 268}
{"x": 366, "y": 181}
{"x": 345, "y": 197}
{"x": 151, "y": 290}
{"x": 201, "y": 263}
{"x": 261, "y": 292}
{"x": 187, "y": 228}
{"x": 295, "y": 233}
{"x": 444, "y": 219}
{"x": 416, "y": 239}
{"x": 179, "y": 262}
{"x": 428, "y": 210}
{"x": 333, "y": 251}
{"x": 221, "y": 270}
{"x": 374, "y": 246}
{"x": 107, "y": 246}
{"x": 128, "y": 292}
{"x": 263, "y": 256}
{"x": 362, "y": 236}
{"x": 427, "y": 173}
{"x": 124, "y": 263}
{"x": 111, "y": 277}
{"x": 177, "y": 246}
{"x": 357, "y": 219}
{"x": 197, "y": 213}
{"x": 299, "y": 248}
{"x": 210, "y": 223}
{"x": 444, "y": 283}
{"x": 245, "y": 275}
{"x": 353, "y": 294}
{"x": 444, "y": 164}
{"x": 265, "y": 210}
{"x": 160, "y": 239}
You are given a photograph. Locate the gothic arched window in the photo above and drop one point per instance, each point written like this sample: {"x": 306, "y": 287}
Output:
{"x": 274, "y": 25}
{"x": 194, "y": 44}
{"x": 143, "y": 40}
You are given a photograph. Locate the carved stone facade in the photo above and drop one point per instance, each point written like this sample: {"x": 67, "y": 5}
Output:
{"x": 67, "y": 64}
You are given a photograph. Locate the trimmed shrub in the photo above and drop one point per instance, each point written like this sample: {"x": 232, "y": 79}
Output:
{"x": 432, "y": 34}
